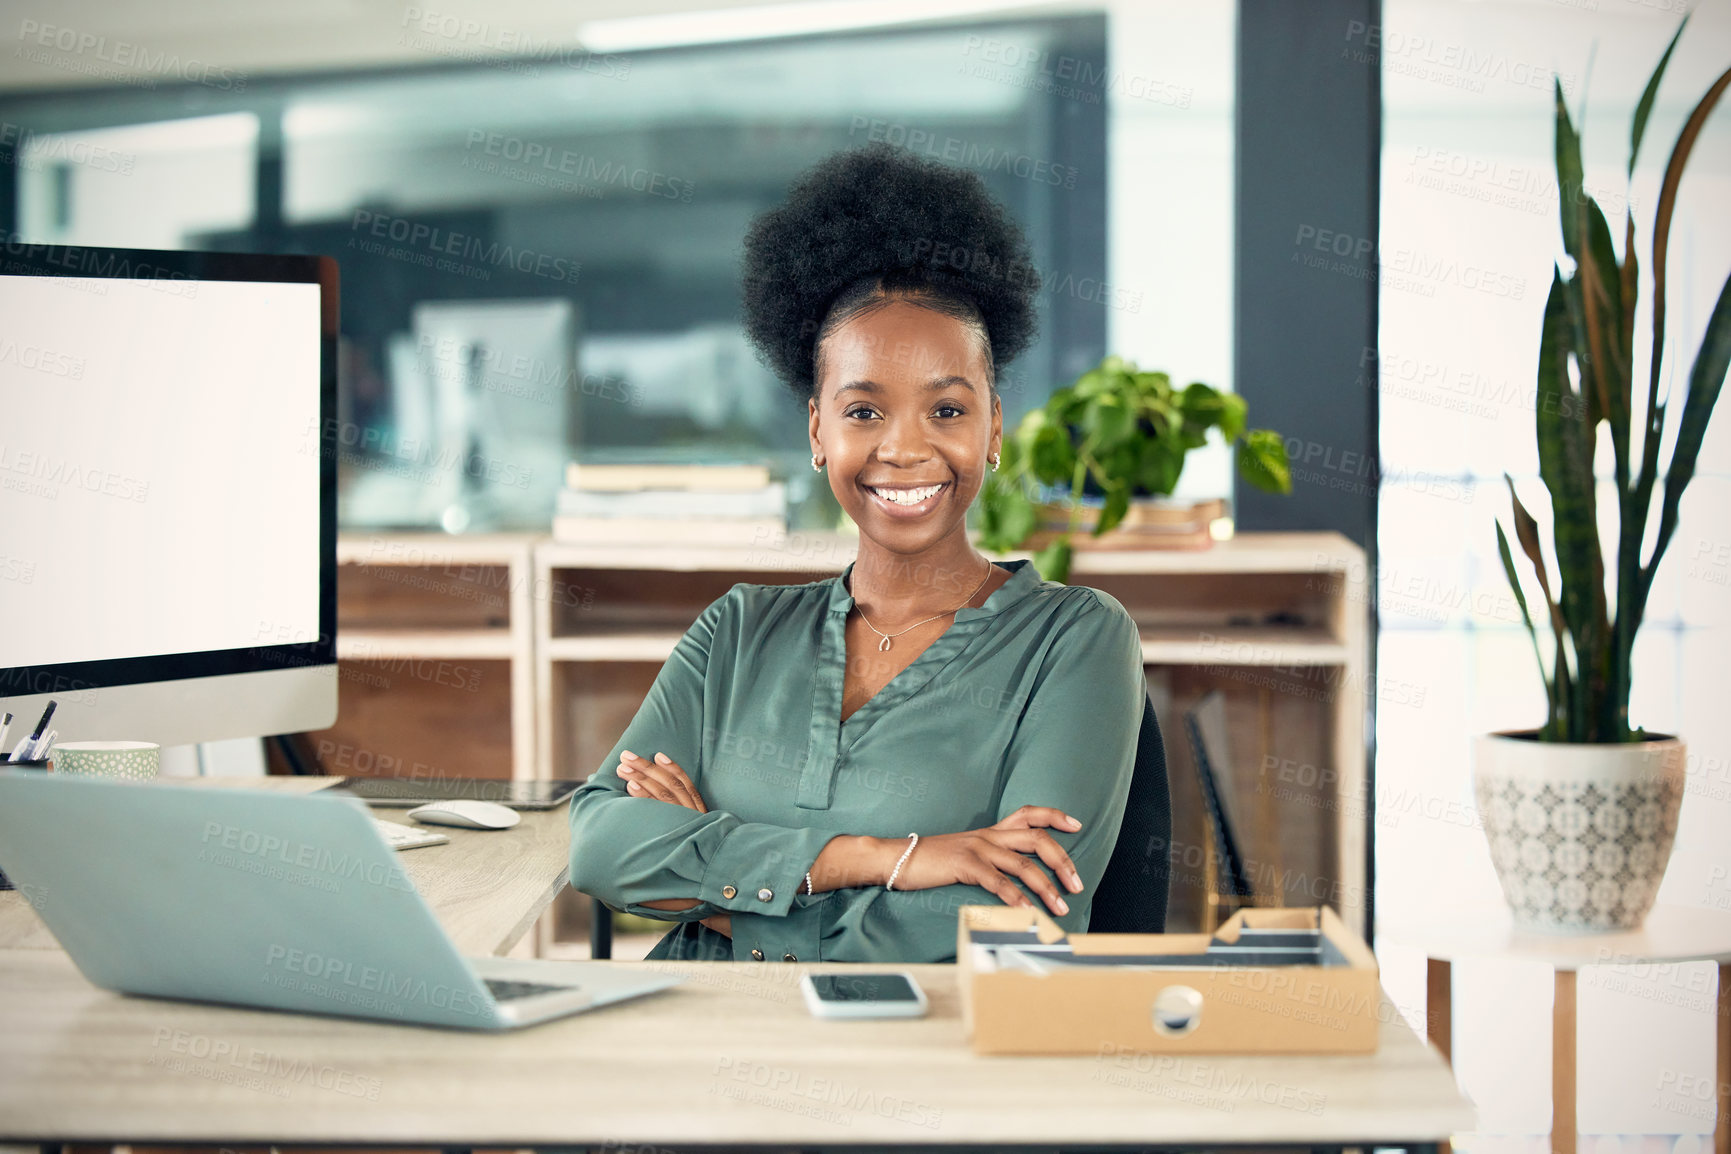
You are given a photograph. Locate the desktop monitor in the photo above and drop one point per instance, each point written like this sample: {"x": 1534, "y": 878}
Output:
{"x": 168, "y": 444}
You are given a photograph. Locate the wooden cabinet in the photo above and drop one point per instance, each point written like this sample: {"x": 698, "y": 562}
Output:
{"x": 435, "y": 648}
{"x": 1277, "y": 622}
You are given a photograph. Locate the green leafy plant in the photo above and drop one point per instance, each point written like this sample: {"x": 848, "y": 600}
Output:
{"x": 1126, "y": 429}
{"x": 1589, "y": 325}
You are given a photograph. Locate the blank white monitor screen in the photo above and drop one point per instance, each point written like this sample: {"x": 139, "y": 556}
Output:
{"x": 159, "y": 453}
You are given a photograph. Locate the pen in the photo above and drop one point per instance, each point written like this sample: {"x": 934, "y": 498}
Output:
{"x": 35, "y": 734}
{"x": 41, "y": 748}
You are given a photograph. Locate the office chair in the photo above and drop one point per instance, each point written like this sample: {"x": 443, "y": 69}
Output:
{"x": 1131, "y": 896}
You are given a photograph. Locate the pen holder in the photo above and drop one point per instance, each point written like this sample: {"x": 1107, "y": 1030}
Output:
{"x": 136, "y": 760}
{"x": 42, "y": 764}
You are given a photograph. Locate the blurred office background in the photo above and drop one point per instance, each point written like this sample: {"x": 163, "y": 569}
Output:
{"x": 539, "y": 253}
{"x": 1468, "y": 233}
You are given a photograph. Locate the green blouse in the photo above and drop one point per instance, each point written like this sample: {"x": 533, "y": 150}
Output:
{"x": 1034, "y": 698}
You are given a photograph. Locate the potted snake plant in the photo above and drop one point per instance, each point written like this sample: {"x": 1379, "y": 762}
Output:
{"x": 1119, "y": 433}
{"x": 1580, "y": 813}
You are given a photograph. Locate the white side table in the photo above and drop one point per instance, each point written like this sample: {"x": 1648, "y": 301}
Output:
{"x": 1671, "y": 934}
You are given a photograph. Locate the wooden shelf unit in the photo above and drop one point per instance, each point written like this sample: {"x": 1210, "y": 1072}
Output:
{"x": 435, "y": 648}
{"x": 1277, "y": 621}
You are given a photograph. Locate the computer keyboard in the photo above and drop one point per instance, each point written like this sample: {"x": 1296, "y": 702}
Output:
{"x": 505, "y": 991}
{"x": 408, "y": 837}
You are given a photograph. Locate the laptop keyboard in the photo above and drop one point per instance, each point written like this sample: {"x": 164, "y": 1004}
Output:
{"x": 504, "y": 991}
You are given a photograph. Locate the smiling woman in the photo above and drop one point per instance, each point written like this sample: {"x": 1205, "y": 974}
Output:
{"x": 956, "y": 731}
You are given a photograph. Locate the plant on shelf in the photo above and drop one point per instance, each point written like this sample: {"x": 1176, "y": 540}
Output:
{"x": 1121, "y": 431}
{"x": 1586, "y": 379}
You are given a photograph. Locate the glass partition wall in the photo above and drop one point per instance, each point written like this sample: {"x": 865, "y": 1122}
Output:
{"x": 540, "y": 257}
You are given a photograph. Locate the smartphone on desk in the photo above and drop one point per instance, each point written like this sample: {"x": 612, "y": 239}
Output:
{"x": 891, "y": 995}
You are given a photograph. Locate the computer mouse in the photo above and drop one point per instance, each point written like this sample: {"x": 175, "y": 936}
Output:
{"x": 467, "y": 814}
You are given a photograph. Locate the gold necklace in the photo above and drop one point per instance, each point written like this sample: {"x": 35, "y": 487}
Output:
{"x": 885, "y": 644}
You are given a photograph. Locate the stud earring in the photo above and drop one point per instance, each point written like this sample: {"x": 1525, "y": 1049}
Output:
{"x": 814, "y": 463}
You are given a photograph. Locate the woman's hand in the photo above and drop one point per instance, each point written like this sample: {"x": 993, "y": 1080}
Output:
{"x": 661, "y": 779}
{"x": 991, "y": 857}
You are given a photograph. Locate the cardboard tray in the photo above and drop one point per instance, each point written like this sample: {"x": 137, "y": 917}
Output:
{"x": 1268, "y": 981}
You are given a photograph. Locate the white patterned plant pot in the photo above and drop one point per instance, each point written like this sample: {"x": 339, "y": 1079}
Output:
{"x": 1580, "y": 834}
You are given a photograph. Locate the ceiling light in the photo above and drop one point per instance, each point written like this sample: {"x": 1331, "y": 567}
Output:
{"x": 632, "y": 33}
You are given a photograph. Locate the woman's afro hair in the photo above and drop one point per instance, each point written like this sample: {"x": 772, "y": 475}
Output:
{"x": 886, "y": 221}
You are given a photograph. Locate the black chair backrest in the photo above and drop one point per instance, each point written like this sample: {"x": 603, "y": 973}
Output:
{"x": 1131, "y": 898}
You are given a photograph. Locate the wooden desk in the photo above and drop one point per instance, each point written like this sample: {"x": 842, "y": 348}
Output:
{"x": 486, "y": 887}
{"x": 731, "y": 1056}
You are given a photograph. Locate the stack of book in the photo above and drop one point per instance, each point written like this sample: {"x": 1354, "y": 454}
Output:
{"x": 1149, "y": 524}
{"x": 670, "y": 505}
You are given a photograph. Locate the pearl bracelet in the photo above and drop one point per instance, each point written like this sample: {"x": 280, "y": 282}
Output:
{"x": 914, "y": 840}
{"x": 808, "y": 883}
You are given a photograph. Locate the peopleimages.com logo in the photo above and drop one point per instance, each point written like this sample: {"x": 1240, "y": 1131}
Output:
{"x": 40, "y": 42}
{"x": 447, "y": 250}
{"x": 365, "y": 986}
{"x": 301, "y": 855}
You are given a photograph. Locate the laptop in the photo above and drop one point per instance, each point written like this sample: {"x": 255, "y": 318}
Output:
{"x": 257, "y": 898}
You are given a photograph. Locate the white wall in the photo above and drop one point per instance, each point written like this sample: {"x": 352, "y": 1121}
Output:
{"x": 1468, "y": 178}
